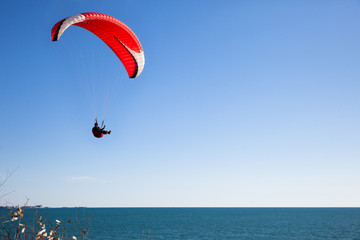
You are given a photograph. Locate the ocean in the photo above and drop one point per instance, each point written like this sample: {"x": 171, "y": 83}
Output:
{"x": 211, "y": 223}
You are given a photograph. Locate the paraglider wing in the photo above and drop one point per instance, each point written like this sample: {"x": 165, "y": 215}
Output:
{"x": 114, "y": 33}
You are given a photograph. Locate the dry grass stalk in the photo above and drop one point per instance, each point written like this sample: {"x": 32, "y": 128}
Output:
{"x": 13, "y": 227}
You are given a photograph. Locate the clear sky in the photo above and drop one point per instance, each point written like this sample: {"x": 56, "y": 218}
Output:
{"x": 240, "y": 104}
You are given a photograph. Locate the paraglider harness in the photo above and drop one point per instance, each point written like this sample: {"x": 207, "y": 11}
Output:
{"x": 99, "y": 131}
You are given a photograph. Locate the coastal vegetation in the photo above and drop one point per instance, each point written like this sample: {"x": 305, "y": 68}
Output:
{"x": 14, "y": 225}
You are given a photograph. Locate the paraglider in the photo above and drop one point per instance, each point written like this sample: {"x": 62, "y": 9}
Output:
{"x": 99, "y": 132}
{"x": 115, "y": 34}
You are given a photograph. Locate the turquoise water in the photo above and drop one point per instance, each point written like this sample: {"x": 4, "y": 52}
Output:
{"x": 214, "y": 223}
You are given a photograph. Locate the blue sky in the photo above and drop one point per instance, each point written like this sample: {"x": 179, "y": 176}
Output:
{"x": 240, "y": 104}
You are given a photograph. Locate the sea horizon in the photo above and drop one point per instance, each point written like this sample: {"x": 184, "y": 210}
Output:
{"x": 210, "y": 222}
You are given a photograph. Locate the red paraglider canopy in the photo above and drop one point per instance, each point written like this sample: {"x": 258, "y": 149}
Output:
{"x": 114, "y": 33}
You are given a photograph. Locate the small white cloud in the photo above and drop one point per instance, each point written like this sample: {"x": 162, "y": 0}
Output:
{"x": 81, "y": 179}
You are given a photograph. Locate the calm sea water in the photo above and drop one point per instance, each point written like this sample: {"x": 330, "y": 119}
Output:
{"x": 213, "y": 223}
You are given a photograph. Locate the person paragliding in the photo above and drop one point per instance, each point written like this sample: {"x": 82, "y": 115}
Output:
{"x": 99, "y": 131}
{"x": 115, "y": 34}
